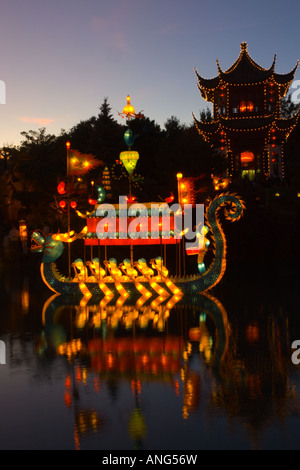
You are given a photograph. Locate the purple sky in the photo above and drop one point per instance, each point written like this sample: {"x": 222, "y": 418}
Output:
{"x": 59, "y": 59}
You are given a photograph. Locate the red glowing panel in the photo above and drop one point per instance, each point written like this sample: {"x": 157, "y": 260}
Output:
{"x": 155, "y": 224}
{"x": 243, "y": 106}
{"x": 250, "y": 106}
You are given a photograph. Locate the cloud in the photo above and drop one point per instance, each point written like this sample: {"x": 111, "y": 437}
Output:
{"x": 167, "y": 29}
{"x": 33, "y": 120}
{"x": 111, "y": 30}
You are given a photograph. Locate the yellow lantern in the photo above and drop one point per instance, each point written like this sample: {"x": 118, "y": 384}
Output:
{"x": 128, "y": 110}
{"x": 129, "y": 159}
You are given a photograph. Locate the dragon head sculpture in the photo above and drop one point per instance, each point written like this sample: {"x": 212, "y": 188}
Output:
{"x": 42, "y": 243}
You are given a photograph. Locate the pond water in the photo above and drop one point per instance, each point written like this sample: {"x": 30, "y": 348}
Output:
{"x": 212, "y": 372}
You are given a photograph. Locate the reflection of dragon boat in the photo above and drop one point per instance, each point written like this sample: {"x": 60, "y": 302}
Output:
{"x": 106, "y": 321}
{"x": 130, "y": 280}
{"x": 136, "y": 354}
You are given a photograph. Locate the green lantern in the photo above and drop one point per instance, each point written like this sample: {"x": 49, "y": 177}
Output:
{"x": 129, "y": 159}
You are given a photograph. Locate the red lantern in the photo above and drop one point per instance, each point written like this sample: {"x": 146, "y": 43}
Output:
{"x": 62, "y": 204}
{"x": 130, "y": 199}
{"x": 194, "y": 334}
{"x": 61, "y": 188}
{"x": 252, "y": 333}
{"x": 247, "y": 157}
{"x": 92, "y": 201}
{"x": 73, "y": 204}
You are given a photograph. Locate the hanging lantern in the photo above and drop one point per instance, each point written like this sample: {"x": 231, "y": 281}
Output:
{"x": 247, "y": 157}
{"x": 129, "y": 159}
{"x": 23, "y": 230}
{"x": 62, "y": 204}
{"x": 128, "y": 110}
{"x": 61, "y": 188}
{"x": 92, "y": 201}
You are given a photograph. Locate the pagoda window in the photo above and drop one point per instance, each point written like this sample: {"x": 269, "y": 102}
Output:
{"x": 246, "y": 106}
{"x": 247, "y": 159}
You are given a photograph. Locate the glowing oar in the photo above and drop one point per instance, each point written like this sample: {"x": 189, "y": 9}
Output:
{"x": 131, "y": 273}
{"x": 86, "y": 294}
{"x": 115, "y": 274}
{"x": 147, "y": 274}
{"x": 162, "y": 274}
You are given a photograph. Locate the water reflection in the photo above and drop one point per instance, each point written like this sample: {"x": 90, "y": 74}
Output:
{"x": 164, "y": 376}
{"x": 136, "y": 345}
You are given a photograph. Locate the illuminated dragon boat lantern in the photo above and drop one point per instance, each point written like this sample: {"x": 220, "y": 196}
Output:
{"x": 128, "y": 224}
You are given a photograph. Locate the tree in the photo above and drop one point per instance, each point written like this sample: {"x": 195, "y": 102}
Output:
{"x": 81, "y": 135}
{"x": 32, "y": 174}
{"x": 292, "y": 165}
{"x": 107, "y": 135}
{"x": 206, "y": 115}
{"x": 288, "y": 108}
{"x": 173, "y": 127}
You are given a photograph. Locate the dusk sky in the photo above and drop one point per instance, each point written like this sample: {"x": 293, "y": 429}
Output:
{"x": 60, "y": 59}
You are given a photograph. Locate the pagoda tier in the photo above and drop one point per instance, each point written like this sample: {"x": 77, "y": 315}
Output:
{"x": 247, "y": 127}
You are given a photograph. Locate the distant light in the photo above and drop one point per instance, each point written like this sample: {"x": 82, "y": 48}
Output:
{"x": 179, "y": 176}
{"x": 68, "y": 145}
{"x": 277, "y": 194}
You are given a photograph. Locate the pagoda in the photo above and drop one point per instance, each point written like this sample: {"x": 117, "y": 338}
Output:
{"x": 247, "y": 127}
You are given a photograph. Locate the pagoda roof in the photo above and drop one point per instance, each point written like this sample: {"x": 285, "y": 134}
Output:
{"x": 287, "y": 125}
{"x": 245, "y": 70}
{"x": 246, "y": 123}
{"x": 285, "y": 78}
{"x": 207, "y": 127}
{"x": 234, "y": 124}
{"x": 208, "y": 83}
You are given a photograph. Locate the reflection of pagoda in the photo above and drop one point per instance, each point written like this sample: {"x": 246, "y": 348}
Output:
{"x": 246, "y": 127}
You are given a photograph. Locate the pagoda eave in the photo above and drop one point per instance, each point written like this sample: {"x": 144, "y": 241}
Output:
{"x": 207, "y": 84}
{"x": 285, "y": 78}
{"x": 246, "y": 124}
